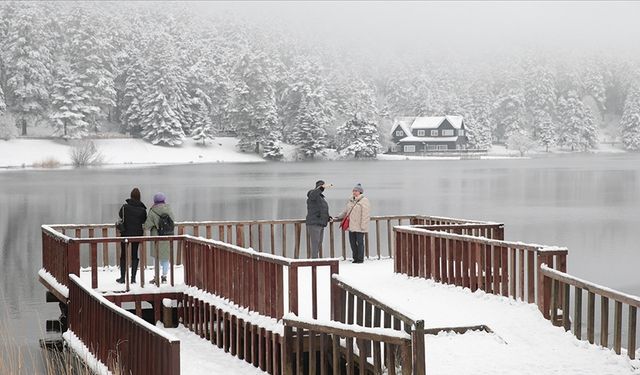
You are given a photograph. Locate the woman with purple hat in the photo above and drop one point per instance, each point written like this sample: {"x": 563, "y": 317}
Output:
{"x": 160, "y": 222}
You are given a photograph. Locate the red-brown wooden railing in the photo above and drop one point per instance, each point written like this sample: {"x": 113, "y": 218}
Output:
{"x": 250, "y": 279}
{"x": 118, "y": 338}
{"x": 560, "y": 285}
{"x": 323, "y": 342}
{"x": 60, "y": 256}
{"x": 499, "y": 267}
{"x": 354, "y": 306}
{"x": 287, "y": 237}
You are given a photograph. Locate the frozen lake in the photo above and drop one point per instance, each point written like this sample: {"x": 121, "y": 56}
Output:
{"x": 589, "y": 203}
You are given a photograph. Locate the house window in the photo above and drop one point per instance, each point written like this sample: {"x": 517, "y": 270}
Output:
{"x": 461, "y": 132}
{"x": 394, "y": 148}
{"x": 420, "y": 133}
{"x": 447, "y": 132}
{"x": 399, "y": 133}
{"x": 434, "y": 133}
{"x": 431, "y": 147}
{"x": 409, "y": 148}
{"x": 442, "y": 147}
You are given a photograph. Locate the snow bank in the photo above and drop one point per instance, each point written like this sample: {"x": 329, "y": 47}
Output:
{"x": 85, "y": 355}
{"x": 123, "y": 151}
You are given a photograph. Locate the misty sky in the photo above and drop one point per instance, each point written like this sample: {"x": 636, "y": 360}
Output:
{"x": 470, "y": 26}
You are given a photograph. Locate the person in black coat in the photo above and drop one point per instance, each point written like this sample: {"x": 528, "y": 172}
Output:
{"x": 317, "y": 216}
{"x": 134, "y": 214}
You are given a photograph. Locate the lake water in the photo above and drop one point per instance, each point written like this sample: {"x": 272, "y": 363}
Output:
{"x": 589, "y": 203}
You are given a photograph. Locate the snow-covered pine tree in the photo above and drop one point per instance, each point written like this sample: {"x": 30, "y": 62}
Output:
{"x": 272, "y": 149}
{"x": 160, "y": 124}
{"x": 305, "y": 87}
{"x": 27, "y": 66}
{"x": 132, "y": 95}
{"x": 477, "y": 116}
{"x": 255, "y": 104}
{"x": 67, "y": 104}
{"x": 576, "y": 128}
{"x": 164, "y": 95}
{"x": 309, "y": 132}
{"x": 544, "y": 128}
{"x": 93, "y": 61}
{"x": 509, "y": 111}
{"x": 359, "y": 138}
{"x": 202, "y": 127}
{"x": 630, "y": 122}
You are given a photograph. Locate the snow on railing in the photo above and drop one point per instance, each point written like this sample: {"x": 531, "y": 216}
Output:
{"x": 558, "y": 287}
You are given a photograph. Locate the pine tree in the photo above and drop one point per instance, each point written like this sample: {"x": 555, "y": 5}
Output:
{"x": 255, "y": 105}
{"x": 544, "y": 129}
{"x": 132, "y": 96}
{"x": 630, "y": 122}
{"x": 309, "y": 132}
{"x": 67, "y": 105}
{"x": 202, "y": 128}
{"x": 160, "y": 124}
{"x": 509, "y": 112}
{"x": 27, "y": 61}
{"x": 305, "y": 87}
{"x": 358, "y": 137}
{"x": 477, "y": 116}
{"x": 93, "y": 61}
{"x": 576, "y": 127}
{"x": 165, "y": 104}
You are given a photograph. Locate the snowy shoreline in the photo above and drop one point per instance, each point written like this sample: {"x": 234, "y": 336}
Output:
{"x": 30, "y": 154}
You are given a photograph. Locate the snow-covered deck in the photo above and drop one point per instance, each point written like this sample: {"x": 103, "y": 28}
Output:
{"x": 522, "y": 342}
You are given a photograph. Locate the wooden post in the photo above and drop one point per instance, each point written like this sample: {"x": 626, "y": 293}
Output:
{"x": 577, "y": 313}
{"x": 631, "y": 333}
{"x": 604, "y": 321}
{"x": 417, "y": 341}
{"x": 617, "y": 327}
{"x": 293, "y": 289}
{"x": 591, "y": 307}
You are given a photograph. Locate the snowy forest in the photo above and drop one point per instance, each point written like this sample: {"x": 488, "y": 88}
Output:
{"x": 165, "y": 72}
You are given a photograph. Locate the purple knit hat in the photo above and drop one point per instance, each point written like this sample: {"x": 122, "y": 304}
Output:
{"x": 159, "y": 198}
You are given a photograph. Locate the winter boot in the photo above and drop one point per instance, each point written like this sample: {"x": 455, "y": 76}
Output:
{"x": 134, "y": 270}
{"x": 122, "y": 273}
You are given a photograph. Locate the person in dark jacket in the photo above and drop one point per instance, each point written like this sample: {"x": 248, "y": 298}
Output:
{"x": 317, "y": 216}
{"x": 134, "y": 214}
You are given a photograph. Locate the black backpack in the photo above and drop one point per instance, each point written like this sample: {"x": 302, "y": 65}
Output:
{"x": 165, "y": 225}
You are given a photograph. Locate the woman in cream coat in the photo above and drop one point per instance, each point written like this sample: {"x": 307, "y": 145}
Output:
{"x": 358, "y": 209}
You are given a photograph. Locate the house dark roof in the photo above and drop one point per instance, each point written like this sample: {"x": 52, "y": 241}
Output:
{"x": 433, "y": 122}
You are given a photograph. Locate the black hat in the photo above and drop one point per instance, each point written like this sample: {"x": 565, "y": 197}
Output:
{"x": 319, "y": 183}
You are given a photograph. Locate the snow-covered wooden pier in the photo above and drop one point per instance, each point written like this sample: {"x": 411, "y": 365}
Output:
{"x": 436, "y": 296}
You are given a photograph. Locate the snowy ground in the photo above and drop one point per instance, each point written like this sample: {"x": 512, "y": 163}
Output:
{"x": 122, "y": 151}
{"x": 199, "y": 356}
{"x": 523, "y": 342}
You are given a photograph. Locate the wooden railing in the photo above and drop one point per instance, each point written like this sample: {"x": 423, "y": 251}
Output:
{"x": 323, "y": 342}
{"x": 250, "y": 279}
{"x": 118, "y": 338}
{"x": 499, "y": 267}
{"x": 560, "y": 285}
{"x": 491, "y": 231}
{"x": 59, "y": 256}
{"x": 359, "y": 308}
{"x": 287, "y": 238}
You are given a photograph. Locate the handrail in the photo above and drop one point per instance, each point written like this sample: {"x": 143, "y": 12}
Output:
{"x": 481, "y": 240}
{"x": 336, "y": 328}
{"x": 338, "y": 280}
{"x": 590, "y": 286}
{"x": 558, "y": 286}
{"x": 137, "y": 345}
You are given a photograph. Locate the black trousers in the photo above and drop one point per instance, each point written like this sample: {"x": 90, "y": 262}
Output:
{"x": 356, "y": 239}
{"x": 134, "y": 258}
